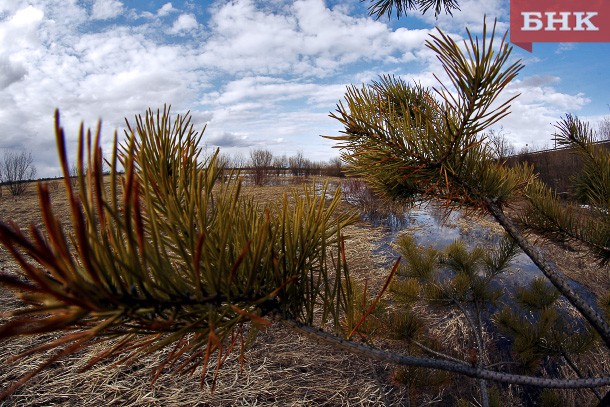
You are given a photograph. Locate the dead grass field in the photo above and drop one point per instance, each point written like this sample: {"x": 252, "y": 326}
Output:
{"x": 281, "y": 369}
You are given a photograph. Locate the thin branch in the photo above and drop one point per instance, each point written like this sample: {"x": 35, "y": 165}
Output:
{"x": 481, "y": 348}
{"x": 449, "y": 366}
{"x": 557, "y": 278}
{"x": 578, "y": 372}
{"x": 435, "y": 353}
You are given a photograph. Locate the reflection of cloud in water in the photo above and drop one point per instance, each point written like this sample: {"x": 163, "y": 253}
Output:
{"x": 428, "y": 229}
{"x": 426, "y": 226}
{"x": 423, "y": 223}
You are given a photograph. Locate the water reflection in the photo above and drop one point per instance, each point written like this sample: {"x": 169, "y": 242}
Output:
{"x": 429, "y": 226}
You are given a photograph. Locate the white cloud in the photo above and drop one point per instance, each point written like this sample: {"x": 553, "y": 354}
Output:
{"x": 539, "y": 106}
{"x": 106, "y": 9}
{"x": 27, "y": 16}
{"x": 166, "y": 9}
{"x": 20, "y": 30}
{"x": 303, "y": 38}
{"x": 536, "y": 90}
{"x": 184, "y": 23}
{"x": 109, "y": 74}
{"x": 263, "y": 88}
{"x": 10, "y": 72}
{"x": 260, "y": 73}
{"x": 230, "y": 140}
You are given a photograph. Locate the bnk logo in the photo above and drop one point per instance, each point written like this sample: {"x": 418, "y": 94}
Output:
{"x": 559, "y": 21}
{"x": 535, "y": 21}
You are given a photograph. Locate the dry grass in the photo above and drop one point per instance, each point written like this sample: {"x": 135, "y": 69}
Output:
{"x": 281, "y": 368}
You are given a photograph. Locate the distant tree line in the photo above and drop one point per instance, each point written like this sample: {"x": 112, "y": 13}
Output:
{"x": 17, "y": 168}
{"x": 262, "y": 165}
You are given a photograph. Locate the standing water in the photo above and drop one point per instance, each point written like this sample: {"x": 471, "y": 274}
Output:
{"x": 426, "y": 225}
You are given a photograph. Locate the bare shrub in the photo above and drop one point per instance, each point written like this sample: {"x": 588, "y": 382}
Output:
{"x": 17, "y": 168}
{"x": 334, "y": 167}
{"x": 74, "y": 175}
{"x": 603, "y": 130}
{"x": 501, "y": 147}
{"x": 358, "y": 193}
{"x": 280, "y": 164}
{"x": 261, "y": 165}
{"x": 296, "y": 163}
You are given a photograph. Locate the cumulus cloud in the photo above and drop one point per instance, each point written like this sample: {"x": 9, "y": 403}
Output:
{"x": 165, "y": 10}
{"x": 106, "y": 9}
{"x": 537, "y": 90}
{"x": 21, "y": 29}
{"x": 88, "y": 74}
{"x": 537, "y": 108}
{"x": 184, "y": 23}
{"x": 260, "y": 74}
{"x": 227, "y": 139}
{"x": 303, "y": 38}
{"x": 10, "y": 72}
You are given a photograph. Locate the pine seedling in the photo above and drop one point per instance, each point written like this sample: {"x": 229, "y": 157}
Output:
{"x": 541, "y": 330}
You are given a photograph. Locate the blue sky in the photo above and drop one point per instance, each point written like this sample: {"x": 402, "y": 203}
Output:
{"x": 259, "y": 74}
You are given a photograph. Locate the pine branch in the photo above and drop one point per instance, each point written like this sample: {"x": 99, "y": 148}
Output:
{"x": 171, "y": 258}
{"x": 379, "y": 8}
